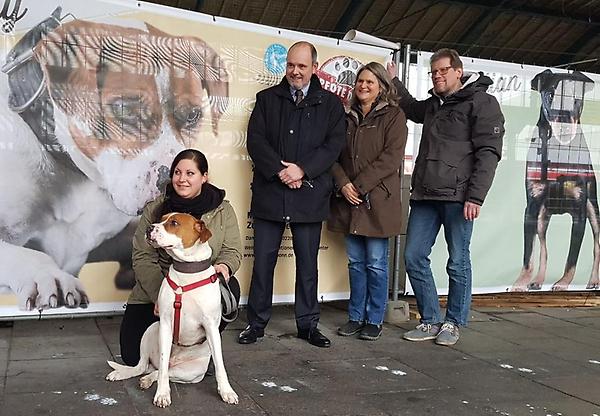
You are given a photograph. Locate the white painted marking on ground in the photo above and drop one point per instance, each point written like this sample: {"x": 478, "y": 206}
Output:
{"x": 287, "y": 389}
{"x": 508, "y": 366}
{"x": 268, "y": 384}
{"x": 525, "y": 370}
{"x": 91, "y": 397}
{"x": 382, "y": 368}
{"x": 398, "y": 373}
{"x": 57, "y": 392}
{"x": 594, "y": 362}
{"x": 108, "y": 401}
{"x": 465, "y": 402}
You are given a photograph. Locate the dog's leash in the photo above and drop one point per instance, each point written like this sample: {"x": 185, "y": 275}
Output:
{"x": 179, "y": 291}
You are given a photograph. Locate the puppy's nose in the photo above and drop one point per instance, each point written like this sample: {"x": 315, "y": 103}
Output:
{"x": 149, "y": 231}
{"x": 163, "y": 178}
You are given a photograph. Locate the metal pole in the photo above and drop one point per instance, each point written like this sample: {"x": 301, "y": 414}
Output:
{"x": 398, "y": 258}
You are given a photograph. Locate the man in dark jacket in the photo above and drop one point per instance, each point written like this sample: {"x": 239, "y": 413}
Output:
{"x": 295, "y": 134}
{"x": 460, "y": 147}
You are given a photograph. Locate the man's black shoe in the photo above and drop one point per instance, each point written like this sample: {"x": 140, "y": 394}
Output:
{"x": 314, "y": 337}
{"x": 250, "y": 335}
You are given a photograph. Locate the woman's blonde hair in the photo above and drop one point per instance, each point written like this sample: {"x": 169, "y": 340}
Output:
{"x": 388, "y": 91}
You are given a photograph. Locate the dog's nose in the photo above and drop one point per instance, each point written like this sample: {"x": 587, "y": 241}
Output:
{"x": 149, "y": 231}
{"x": 163, "y": 178}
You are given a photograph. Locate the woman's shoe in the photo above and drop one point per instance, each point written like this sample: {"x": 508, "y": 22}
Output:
{"x": 350, "y": 328}
{"x": 371, "y": 332}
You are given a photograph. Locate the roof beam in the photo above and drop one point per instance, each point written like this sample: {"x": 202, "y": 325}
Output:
{"x": 523, "y": 9}
{"x": 354, "y": 9}
{"x": 567, "y": 56}
{"x": 473, "y": 33}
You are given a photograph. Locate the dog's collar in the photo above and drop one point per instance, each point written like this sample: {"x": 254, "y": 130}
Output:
{"x": 191, "y": 267}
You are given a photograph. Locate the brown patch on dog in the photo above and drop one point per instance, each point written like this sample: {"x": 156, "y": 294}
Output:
{"x": 187, "y": 227}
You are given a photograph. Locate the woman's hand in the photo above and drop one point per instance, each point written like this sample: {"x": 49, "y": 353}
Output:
{"x": 351, "y": 194}
{"x": 156, "y": 310}
{"x": 223, "y": 269}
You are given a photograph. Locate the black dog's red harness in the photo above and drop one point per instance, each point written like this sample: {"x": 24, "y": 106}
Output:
{"x": 177, "y": 303}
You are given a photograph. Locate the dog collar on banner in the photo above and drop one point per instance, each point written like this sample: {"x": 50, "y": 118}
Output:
{"x": 179, "y": 291}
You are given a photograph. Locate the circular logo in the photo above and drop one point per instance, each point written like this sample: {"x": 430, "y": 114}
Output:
{"x": 338, "y": 75}
{"x": 275, "y": 56}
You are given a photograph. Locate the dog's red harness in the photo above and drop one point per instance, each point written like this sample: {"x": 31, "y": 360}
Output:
{"x": 177, "y": 303}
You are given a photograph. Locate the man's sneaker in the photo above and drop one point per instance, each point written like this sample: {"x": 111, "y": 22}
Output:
{"x": 371, "y": 332}
{"x": 350, "y": 328}
{"x": 423, "y": 332}
{"x": 448, "y": 334}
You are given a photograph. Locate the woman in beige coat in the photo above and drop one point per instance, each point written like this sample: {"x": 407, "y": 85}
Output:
{"x": 367, "y": 206}
{"x": 189, "y": 192}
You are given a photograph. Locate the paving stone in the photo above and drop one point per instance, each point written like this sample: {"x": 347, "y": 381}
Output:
{"x": 55, "y": 327}
{"x": 44, "y": 347}
{"x": 49, "y": 366}
{"x": 580, "y": 385}
{"x": 74, "y": 374}
{"x": 89, "y": 403}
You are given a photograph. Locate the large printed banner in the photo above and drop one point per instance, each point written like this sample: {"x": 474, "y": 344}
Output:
{"x": 540, "y": 223}
{"x": 96, "y": 98}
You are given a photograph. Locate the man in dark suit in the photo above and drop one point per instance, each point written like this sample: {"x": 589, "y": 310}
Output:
{"x": 295, "y": 133}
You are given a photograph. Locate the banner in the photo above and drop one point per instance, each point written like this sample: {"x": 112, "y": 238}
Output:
{"x": 96, "y": 99}
{"x": 539, "y": 226}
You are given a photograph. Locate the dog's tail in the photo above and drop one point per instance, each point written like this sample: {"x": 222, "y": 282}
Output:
{"x": 123, "y": 372}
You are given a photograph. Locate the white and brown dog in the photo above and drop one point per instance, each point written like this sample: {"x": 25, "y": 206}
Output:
{"x": 189, "y": 304}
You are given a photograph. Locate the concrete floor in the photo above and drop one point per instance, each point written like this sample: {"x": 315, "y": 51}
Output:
{"x": 543, "y": 361}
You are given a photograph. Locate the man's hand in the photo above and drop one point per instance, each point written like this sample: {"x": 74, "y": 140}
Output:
{"x": 392, "y": 69}
{"x": 292, "y": 173}
{"x": 156, "y": 312}
{"x": 223, "y": 269}
{"x": 351, "y": 194}
{"x": 471, "y": 211}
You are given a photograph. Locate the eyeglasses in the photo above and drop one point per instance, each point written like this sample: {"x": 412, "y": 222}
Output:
{"x": 441, "y": 71}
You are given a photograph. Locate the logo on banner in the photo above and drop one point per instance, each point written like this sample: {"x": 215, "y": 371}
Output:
{"x": 275, "y": 58}
{"x": 8, "y": 20}
{"x": 338, "y": 75}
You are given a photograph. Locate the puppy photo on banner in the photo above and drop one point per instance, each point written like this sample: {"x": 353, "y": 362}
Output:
{"x": 96, "y": 113}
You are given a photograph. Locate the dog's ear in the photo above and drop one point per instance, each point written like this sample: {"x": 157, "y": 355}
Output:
{"x": 203, "y": 232}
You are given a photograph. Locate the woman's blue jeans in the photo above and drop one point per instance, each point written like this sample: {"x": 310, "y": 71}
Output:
{"x": 424, "y": 222}
{"x": 368, "y": 270}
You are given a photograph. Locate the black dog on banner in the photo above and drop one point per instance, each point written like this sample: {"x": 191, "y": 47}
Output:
{"x": 560, "y": 178}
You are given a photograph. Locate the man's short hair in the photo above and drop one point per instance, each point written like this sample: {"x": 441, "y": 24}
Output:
{"x": 313, "y": 50}
{"x": 455, "y": 61}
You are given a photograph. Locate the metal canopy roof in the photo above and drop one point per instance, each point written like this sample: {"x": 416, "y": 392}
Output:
{"x": 540, "y": 32}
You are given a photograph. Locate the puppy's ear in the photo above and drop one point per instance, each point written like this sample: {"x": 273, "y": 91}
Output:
{"x": 203, "y": 232}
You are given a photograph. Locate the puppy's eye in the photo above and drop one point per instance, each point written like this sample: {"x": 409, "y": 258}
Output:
{"x": 174, "y": 223}
{"x": 187, "y": 116}
{"x": 194, "y": 116}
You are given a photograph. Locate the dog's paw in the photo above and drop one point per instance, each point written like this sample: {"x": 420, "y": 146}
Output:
{"x": 38, "y": 282}
{"x": 162, "y": 399}
{"x": 229, "y": 396}
{"x": 147, "y": 381}
{"x": 114, "y": 376}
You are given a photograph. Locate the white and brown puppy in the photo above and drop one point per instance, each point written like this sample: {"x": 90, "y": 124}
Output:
{"x": 185, "y": 239}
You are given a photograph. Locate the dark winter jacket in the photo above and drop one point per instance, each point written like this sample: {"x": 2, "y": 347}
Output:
{"x": 371, "y": 160}
{"x": 461, "y": 142}
{"x": 310, "y": 135}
